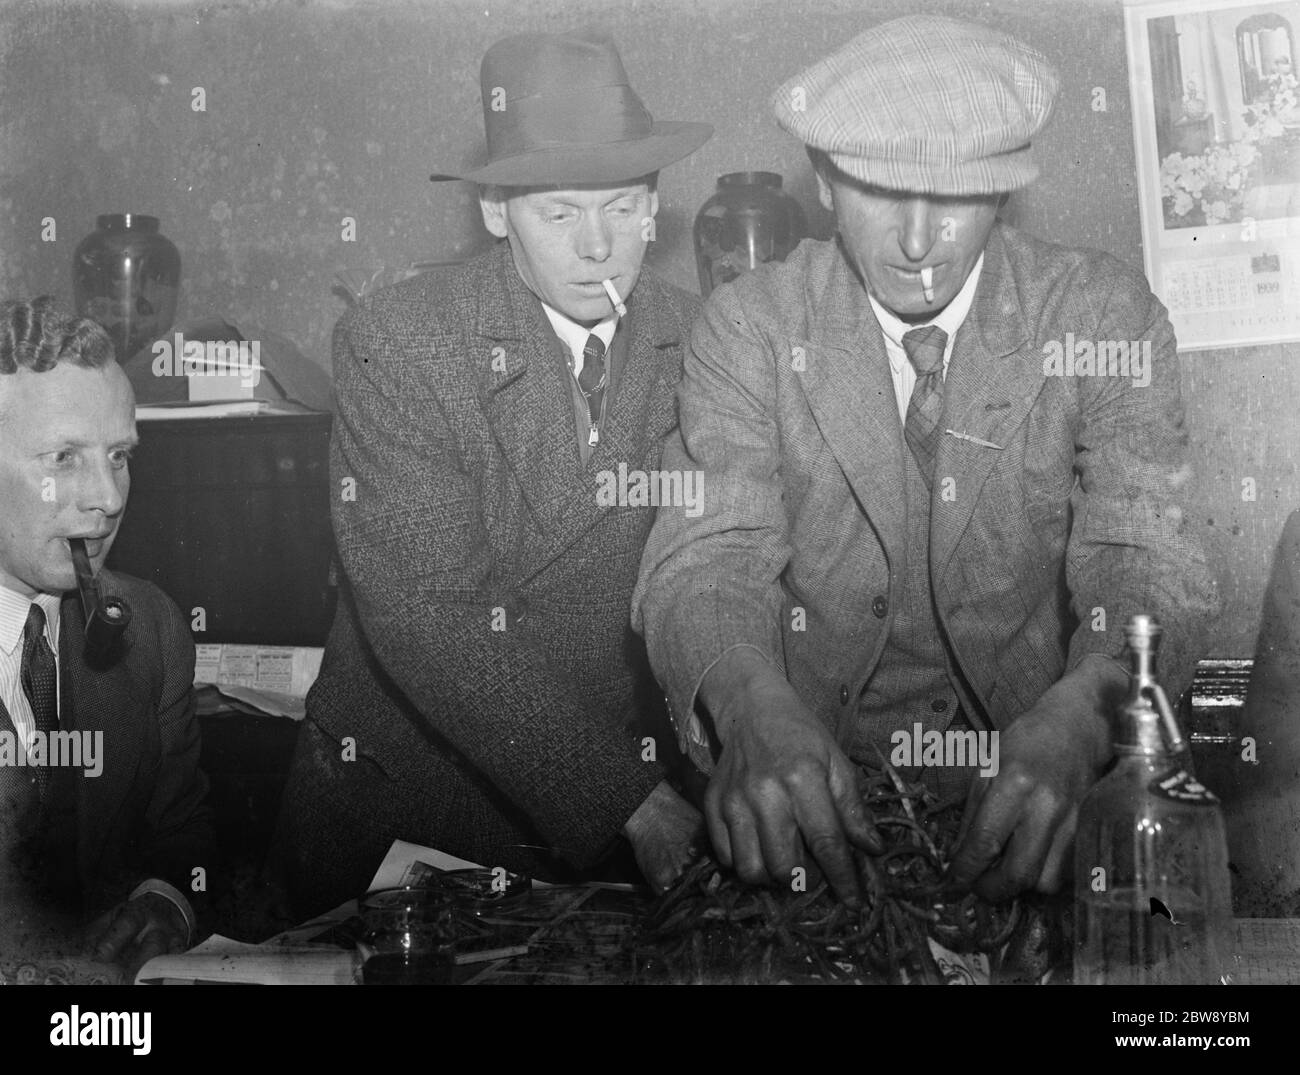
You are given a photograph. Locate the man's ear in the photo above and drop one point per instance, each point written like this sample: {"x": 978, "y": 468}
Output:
{"x": 654, "y": 203}
{"x": 492, "y": 204}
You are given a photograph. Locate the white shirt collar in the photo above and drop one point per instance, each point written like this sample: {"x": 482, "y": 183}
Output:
{"x": 13, "y": 618}
{"x": 950, "y": 318}
{"x": 575, "y": 335}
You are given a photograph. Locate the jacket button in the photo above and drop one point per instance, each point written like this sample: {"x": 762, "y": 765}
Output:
{"x": 844, "y": 694}
{"x": 880, "y": 607}
{"x": 939, "y": 705}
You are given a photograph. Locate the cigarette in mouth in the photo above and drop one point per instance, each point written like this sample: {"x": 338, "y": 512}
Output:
{"x": 927, "y": 283}
{"x": 608, "y": 285}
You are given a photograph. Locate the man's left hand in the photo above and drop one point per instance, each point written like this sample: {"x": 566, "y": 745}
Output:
{"x": 135, "y": 931}
{"x": 1018, "y": 828}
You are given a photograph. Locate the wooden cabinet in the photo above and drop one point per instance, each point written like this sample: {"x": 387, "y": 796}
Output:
{"x": 232, "y": 516}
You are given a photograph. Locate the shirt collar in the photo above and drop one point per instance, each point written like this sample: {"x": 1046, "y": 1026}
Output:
{"x": 13, "y": 618}
{"x": 575, "y": 335}
{"x": 950, "y": 318}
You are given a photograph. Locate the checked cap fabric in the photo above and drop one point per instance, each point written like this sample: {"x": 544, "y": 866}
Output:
{"x": 925, "y": 104}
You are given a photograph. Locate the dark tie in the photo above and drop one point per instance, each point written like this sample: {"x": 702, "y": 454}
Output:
{"x": 19, "y": 800}
{"x": 924, "y": 347}
{"x": 592, "y": 380}
{"x": 40, "y": 683}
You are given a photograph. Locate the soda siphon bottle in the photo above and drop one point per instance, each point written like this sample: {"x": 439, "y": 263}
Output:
{"x": 1153, "y": 904}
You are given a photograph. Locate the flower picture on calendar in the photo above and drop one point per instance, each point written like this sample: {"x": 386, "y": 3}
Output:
{"x": 1216, "y": 127}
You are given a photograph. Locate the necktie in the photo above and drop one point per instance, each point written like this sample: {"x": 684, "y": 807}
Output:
{"x": 40, "y": 683}
{"x": 18, "y": 801}
{"x": 925, "y": 347}
{"x": 592, "y": 381}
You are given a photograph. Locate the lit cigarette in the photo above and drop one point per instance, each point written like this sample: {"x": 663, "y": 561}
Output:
{"x": 927, "y": 283}
{"x": 608, "y": 285}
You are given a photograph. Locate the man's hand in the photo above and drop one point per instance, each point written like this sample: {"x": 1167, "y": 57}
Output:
{"x": 135, "y": 931}
{"x": 782, "y": 782}
{"x": 665, "y": 836}
{"x": 1018, "y": 828}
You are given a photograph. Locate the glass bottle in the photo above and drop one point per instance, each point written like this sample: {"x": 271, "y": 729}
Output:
{"x": 748, "y": 221}
{"x": 1153, "y": 904}
{"x": 126, "y": 275}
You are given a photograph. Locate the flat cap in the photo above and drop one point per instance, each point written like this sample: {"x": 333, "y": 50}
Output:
{"x": 925, "y": 104}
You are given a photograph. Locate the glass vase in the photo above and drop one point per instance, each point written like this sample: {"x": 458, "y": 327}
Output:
{"x": 748, "y": 221}
{"x": 126, "y": 276}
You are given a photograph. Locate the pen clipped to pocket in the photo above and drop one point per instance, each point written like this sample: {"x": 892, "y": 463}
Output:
{"x": 106, "y": 617}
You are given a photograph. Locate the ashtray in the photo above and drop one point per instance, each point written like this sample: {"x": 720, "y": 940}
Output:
{"x": 485, "y": 890}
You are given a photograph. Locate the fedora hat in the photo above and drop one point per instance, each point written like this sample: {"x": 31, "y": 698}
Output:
{"x": 560, "y": 109}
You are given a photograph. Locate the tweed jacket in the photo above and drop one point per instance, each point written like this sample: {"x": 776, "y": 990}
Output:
{"x": 482, "y": 652}
{"x": 145, "y": 814}
{"x": 1040, "y": 547}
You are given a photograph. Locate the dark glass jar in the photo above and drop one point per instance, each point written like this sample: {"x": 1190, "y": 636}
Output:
{"x": 748, "y": 221}
{"x": 126, "y": 275}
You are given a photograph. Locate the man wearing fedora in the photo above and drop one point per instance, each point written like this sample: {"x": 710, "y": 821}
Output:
{"x": 482, "y": 690}
{"x": 922, "y": 523}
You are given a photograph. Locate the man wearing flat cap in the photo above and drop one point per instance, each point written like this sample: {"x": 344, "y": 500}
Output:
{"x": 918, "y": 532}
{"x": 482, "y": 690}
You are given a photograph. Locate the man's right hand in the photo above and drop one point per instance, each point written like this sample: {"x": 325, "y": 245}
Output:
{"x": 782, "y": 783}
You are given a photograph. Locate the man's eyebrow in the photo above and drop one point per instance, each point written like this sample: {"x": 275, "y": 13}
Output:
{"x": 55, "y": 442}
{"x": 555, "y": 197}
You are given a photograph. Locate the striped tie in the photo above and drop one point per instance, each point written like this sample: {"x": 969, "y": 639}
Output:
{"x": 925, "y": 347}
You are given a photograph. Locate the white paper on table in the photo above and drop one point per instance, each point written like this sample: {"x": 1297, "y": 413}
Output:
{"x": 395, "y": 870}
{"x": 222, "y": 961}
{"x": 145, "y": 412}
